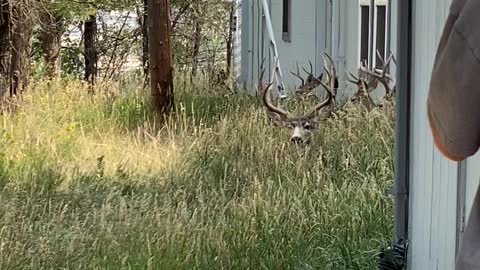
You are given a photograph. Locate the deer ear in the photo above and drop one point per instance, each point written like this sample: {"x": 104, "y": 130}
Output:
{"x": 278, "y": 120}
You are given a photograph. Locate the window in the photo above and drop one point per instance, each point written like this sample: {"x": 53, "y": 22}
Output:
{"x": 373, "y": 31}
{"x": 364, "y": 32}
{"x": 286, "y": 21}
{"x": 380, "y": 34}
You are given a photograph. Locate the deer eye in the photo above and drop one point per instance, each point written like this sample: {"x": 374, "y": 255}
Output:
{"x": 306, "y": 126}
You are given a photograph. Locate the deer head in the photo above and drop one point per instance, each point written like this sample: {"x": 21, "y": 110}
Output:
{"x": 364, "y": 86}
{"x": 311, "y": 82}
{"x": 302, "y": 127}
{"x": 381, "y": 74}
{"x": 308, "y": 84}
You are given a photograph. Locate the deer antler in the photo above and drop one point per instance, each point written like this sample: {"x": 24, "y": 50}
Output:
{"x": 329, "y": 87}
{"x": 355, "y": 80}
{"x": 310, "y": 83}
{"x": 266, "y": 97}
{"x": 362, "y": 94}
{"x": 381, "y": 75}
{"x": 362, "y": 82}
{"x": 298, "y": 76}
{"x": 260, "y": 84}
{"x": 311, "y": 68}
{"x": 333, "y": 72}
{"x": 312, "y": 80}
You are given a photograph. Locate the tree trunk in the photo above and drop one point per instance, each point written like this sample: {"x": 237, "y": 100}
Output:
{"x": 21, "y": 38}
{"x": 145, "y": 53}
{"x": 197, "y": 39}
{"x": 230, "y": 41}
{"x": 5, "y": 48}
{"x": 51, "y": 37}
{"x": 90, "y": 34}
{"x": 160, "y": 47}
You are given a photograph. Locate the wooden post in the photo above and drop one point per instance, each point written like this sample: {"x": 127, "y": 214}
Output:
{"x": 160, "y": 48}
{"x": 230, "y": 39}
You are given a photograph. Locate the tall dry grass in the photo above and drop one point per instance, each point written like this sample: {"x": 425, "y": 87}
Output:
{"x": 101, "y": 183}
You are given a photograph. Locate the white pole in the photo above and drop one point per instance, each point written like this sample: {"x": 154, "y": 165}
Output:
{"x": 278, "y": 71}
{"x": 371, "y": 53}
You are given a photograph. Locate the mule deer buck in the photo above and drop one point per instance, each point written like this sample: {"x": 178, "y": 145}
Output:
{"x": 365, "y": 85}
{"x": 302, "y": 127}
{"x": 381, "y": 75}
{"x": 367, "y": 81}
{"x": 311, "y": 81}
{"x": 308, "y": 84}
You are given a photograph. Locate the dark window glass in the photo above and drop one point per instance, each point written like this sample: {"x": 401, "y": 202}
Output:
{"x": 381, "y": 33}
{"x": 364, "y": 33}
{"x": 286, "y": 20}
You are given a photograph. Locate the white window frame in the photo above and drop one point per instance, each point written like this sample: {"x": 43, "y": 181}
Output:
{"x": 372, "y": 46}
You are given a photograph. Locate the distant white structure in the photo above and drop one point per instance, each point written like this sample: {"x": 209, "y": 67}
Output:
{"x": 237, "y": 38}
{"x": 110, "y": 19}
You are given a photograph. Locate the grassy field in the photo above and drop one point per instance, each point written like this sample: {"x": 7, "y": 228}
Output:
{"x": 100, "y": 183}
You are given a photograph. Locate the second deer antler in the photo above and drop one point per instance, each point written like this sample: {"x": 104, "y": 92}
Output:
{"x": 381, "y": 74}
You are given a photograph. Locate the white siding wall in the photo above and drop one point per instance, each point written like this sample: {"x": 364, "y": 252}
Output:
{"x": 433, "y": 183}
{"x": 351, "y": 39}
{"x": 301, "y": 48}
{"x": 393, "y": 32}
{"x": 311, "y": 35}
{"x": 472, "y": 180}
{"x": 252, "y": 44}
{"x": 307, "y": 30}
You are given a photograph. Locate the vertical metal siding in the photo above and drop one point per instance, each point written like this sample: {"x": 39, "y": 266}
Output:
{"x": 433, "y": 183}
{"x": 341, "y": 26}
{"x": 402, "y": 118}
{"x": 393, "y": 31}
{"x": 257, "y": 45}
{"x": 320, "y": 33}
{"x": 246, "y": 44}
{"x": 351, "y": 40}
{"x": 472, "y": 181}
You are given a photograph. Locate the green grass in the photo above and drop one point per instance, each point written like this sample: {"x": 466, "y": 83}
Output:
{"x": 101, "y": 183}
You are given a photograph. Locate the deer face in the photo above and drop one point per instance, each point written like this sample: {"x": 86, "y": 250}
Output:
{"x": 302, "y": 130}
{"x": 302, "y": 127}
